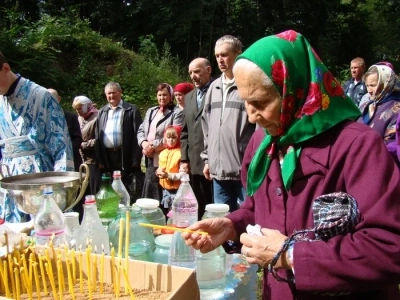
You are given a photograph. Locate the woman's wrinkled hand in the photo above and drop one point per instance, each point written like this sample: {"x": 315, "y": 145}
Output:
{"x": 261, "y": 249}
{"x": 147, "y": 148}
{"x": 219, "y": 231}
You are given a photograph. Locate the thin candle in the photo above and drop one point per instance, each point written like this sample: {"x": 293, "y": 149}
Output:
{"x": 42, "y": 274}
{"x": 172, "y": 228}
{"x": 30, "y": 269}
{"x": 127, "y": 285}
{"x": 127, "y": 237}
{"x": 113, "y": 279}
{"x": 60, "y": 275}
{"x": 4, "y": 275}
{"x": 24, "y": 281}
{"x": 118, "y": 277}
{"x": 73, "y": 266}
{"x": 94, "y": 274}
{"x": 52, "y": 283}
{"x": 10, "y": 269}
{"x": 89, "y": 271}
{"x": 80, "y": 269}
{"x": 25, "y": 274}
{"x": 50, "y": 270}
{"x": 121, "y": 236}
{"x": 16, "y": 276}
{"x": 62, "y": 270}
{"x": 70, "y": 283}
{"x": 37, "y": 282}
{"x": 102, "y": 270}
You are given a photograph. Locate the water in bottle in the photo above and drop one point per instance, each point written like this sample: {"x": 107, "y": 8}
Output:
{"x": 184, "y": 209}
{"x": 119, "y": 187}
{"x": 49, "y": 222}
{"x": 92, "y": 230}
{"x": 107, "y": 200}
{"x": 211, "y": 266}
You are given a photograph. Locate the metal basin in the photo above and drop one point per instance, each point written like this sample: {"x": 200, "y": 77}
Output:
{"x": 27, "y": 189}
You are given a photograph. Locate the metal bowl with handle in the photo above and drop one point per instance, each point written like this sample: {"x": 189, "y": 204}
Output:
{"x": 27, "y": 189}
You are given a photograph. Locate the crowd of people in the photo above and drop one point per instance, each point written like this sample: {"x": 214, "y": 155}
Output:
{"x": 276, "y": 137}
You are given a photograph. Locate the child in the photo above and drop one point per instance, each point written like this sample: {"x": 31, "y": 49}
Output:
{"x": 168, "y": 165}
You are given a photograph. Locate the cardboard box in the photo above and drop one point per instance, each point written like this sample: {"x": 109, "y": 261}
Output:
{"x": 181, "y": 282}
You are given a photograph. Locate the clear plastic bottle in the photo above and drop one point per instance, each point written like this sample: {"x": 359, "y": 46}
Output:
{"x": 184, "y": 209}
{"x": 211, "y": 266}
{"x": 49, "y": 221}
{"x": 119, "y": 187}
{"x": 92, "y": 229}
{"x": 152, "y": 212}
{"x": 107, "y": 200}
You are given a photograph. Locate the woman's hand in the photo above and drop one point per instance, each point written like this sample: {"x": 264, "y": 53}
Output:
{"x": 219, "y": 231}
{"x": 147, "y": 148}
{"x": 160, "y": 172}
{"x": 261, "y": 249}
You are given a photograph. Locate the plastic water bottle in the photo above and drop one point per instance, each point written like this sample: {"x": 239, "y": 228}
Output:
{"x": 119, "y": 187}
{"x": 211, "y": 266}
{"x": 49, "y": 221}
{"x": 92, "y": 230}
{"x": 184, "y": 209}
{"x": 107, "y": 200}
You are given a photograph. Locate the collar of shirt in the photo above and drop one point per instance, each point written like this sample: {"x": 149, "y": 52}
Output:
{"x": 118, "y": 106}
{"x": 12, "y": 87}
{"x": 226, "y": 83}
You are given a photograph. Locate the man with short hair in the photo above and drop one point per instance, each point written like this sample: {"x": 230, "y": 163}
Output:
{"x": 33, "y": 132}
{"x": 355, "y": 86}
{"x": 192, "y": 134}
{"x": 226, "y": 128}
{"x": 117, "y": 147}
{"x": 74, "y": 131}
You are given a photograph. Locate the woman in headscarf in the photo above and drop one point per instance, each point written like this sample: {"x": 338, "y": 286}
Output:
{"x": 151, "y": 133}
{"x": 322, "y": 187}
{"x": 381, "y": 111}
{"x": 180, "y": 91}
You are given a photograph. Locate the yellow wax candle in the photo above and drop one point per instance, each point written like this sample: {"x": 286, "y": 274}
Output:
{"x": 60, "y": 275}
{"x": 118, "y": 277}
{"x": 37, "y": 282}
{"x": 43, "y": 274}
{"x": 4, "y": 276}
{"x": 127, "y": 237}
{"x": 62, "y": 270}
{"x": 102, "y": 270}
{"x": 10, "y": 269}
{"x": 6, "y": 238}
{"x": 50, "y": 275}
{"x": 24, "y": 281}
{"x": 73, "y": 265}
{"x": 70, "y": 283}
{"x": 94, "y": 274}
{"x": 30, "y": 268}
{"x": 89, "y": 277}
{"x": 80, "y": 270}
{"x": 127, "y": 285}
{"x": 50, "y": 270}
{"x": 16, "y": 276}
{"x": 113, "y": 279}
{"x": 28, "y": 285}
{"x": 121, "y": 237}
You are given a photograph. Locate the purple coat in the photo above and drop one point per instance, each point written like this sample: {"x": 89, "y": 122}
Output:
{"x": 350, "y": 158}
{"x": 394, "y": 148}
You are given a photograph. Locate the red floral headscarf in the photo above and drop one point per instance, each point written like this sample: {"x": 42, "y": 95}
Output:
{"x": 312, "y": 101}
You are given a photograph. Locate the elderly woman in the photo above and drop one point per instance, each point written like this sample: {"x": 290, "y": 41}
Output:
{"x": 150, "y": 136}
{"x": 380, "y": 113}
{"x": 329, "y": 230}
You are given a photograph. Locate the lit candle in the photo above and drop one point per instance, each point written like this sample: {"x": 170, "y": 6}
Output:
{"x": 102, "y": 270}
{"x": 52, "y": 283}
{"x": 37, "y": 282}
{"x": 89, "y": 271}
{"x": 16, "y": 274}
{"x": 121, "y": 236}
{"x": 73, "y": 265}
{"x": 94, "y": 274}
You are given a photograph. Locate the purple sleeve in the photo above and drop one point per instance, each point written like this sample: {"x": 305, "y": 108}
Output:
{"x": 394, "y": 147}
{"x": 370, "y": 256}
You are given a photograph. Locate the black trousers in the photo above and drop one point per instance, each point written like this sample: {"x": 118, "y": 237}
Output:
{"x": 203, "y": 191}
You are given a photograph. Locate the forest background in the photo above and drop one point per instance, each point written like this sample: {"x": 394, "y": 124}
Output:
{"x": 78, "y": 46}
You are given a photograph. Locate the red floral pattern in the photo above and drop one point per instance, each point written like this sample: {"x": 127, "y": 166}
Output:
{"x": 289, "y": 35}
{"x": 332, "y": 86}
{"x": 279, "y": 73}
{"x": 313, "y": 100}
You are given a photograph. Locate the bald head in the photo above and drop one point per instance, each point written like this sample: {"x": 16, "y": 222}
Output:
{"x": 55, "y": 94}
{"x": 200, "y": 71}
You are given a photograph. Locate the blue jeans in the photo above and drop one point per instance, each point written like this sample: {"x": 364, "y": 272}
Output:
{"x": 229, "y": 192}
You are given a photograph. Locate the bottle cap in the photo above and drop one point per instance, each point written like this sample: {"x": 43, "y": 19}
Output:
{"x": 48, "y": 190}
{"x": 147, "y": 203}
{"x": 117, "y": 174}
{"x": 164, "y": 240}
{"x": 90, "y": 199}
{"x": 217, "y": 208}
{"x": 185, "y": 177}
{"x": 106, "y": 176}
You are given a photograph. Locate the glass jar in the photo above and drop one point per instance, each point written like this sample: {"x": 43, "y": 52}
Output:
{"x": 161, "y": 253}
{"x": 216, "y": 211}
{"x": 152, "y": 211}
{"x": 141, "y": 239}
